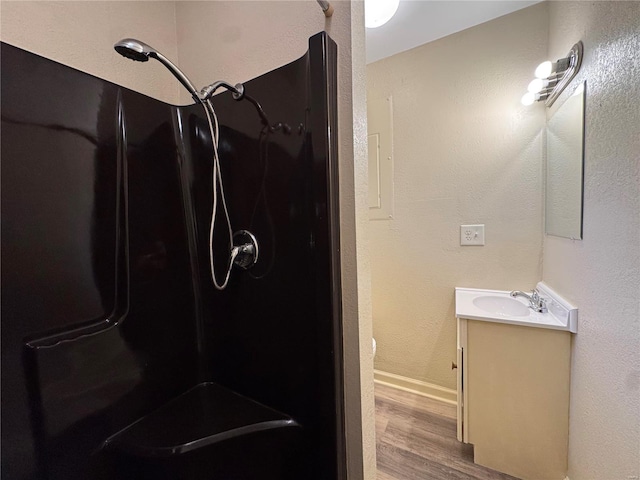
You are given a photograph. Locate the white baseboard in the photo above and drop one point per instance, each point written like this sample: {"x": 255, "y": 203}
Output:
{"x": 418, "y": 387}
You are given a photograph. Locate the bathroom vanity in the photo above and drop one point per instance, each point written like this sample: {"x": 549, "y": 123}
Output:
{"x": 513, "y": 381}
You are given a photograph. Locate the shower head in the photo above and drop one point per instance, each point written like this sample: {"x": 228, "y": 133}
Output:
{"x": 141, "y": 52}
{"x": 134, "y": 49}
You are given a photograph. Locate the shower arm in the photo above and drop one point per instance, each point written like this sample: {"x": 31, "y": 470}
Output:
{"x": 238, "y": 93}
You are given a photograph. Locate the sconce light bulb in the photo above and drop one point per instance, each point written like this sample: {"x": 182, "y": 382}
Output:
{"x": 528, "y": 98}
{"x": 536, "y": 85}
{"x": 544, "y": 69}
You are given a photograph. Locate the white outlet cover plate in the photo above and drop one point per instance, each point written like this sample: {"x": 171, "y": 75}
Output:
{"x": 472, "y": 234}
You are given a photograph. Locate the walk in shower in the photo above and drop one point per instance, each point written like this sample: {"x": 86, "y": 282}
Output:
{"x": 121, "y": 358}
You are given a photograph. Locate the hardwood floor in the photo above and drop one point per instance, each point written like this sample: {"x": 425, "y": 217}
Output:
{"x": 416, "y": 440}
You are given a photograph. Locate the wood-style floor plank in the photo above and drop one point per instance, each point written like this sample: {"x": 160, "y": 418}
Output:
{"x": 416, "y": 440}
{"x": 385, "y": 476}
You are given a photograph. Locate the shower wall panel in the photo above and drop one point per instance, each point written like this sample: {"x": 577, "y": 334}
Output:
{"x": 108, "y": 309}
{"x": 98, "y": 323}
{"x": 275, "y": 334}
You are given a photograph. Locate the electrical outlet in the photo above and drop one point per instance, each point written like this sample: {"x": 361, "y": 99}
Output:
{"x": 471, "y": 234}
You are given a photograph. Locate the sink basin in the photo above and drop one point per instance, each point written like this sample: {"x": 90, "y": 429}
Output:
{"x": 498, "y": 306}
{"x": 502, "y": 306}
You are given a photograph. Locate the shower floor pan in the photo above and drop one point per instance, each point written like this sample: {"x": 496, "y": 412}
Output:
{"x": 207, "y": 432}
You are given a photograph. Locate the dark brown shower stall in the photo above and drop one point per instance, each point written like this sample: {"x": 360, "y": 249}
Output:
{"x": 120, "y": 360}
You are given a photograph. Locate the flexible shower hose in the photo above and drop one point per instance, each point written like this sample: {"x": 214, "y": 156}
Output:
{"x": 217, "y": 179}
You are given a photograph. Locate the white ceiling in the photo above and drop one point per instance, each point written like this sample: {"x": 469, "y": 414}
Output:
{"x": 421, "y": 21}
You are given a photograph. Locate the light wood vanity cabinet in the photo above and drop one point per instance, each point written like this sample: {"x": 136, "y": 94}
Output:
{"x": 513, "y": 397}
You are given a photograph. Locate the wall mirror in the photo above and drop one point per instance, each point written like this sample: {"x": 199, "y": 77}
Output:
{"x": 565, "y": 160}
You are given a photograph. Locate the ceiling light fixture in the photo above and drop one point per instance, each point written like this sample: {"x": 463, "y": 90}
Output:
{"x": 552, "y": 77}
{"x": 379, "y": 12}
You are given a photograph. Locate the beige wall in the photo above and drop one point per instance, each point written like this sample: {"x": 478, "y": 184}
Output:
{"x": 82, "y": 34}
{"x": 465, "y": 151}
{"x": 601, "y": 274}
{"x": 237, "y": 40}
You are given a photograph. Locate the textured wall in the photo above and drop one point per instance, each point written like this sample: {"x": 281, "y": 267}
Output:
{"x": 82, "y": 34}
{"x": 245, "y": 39}
{"x": 601, "y": 274}
{"x": 466, "y": 151}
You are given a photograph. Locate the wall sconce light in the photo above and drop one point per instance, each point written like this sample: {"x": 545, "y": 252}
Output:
{"x": 552, "y": 77}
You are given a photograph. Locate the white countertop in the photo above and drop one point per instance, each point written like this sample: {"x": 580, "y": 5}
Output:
{"x": 560, "y": 316}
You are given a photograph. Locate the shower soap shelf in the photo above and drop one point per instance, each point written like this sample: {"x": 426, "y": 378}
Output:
{"x": 206, "y": 415}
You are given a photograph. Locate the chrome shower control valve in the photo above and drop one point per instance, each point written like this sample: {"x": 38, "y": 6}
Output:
{"x": 245, "y": 249}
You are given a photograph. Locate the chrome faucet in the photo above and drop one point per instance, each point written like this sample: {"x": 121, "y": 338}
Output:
{"x": 536, "y": 302}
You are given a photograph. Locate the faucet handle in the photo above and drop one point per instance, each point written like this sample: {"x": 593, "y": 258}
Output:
{"x": 538, "y": 302}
